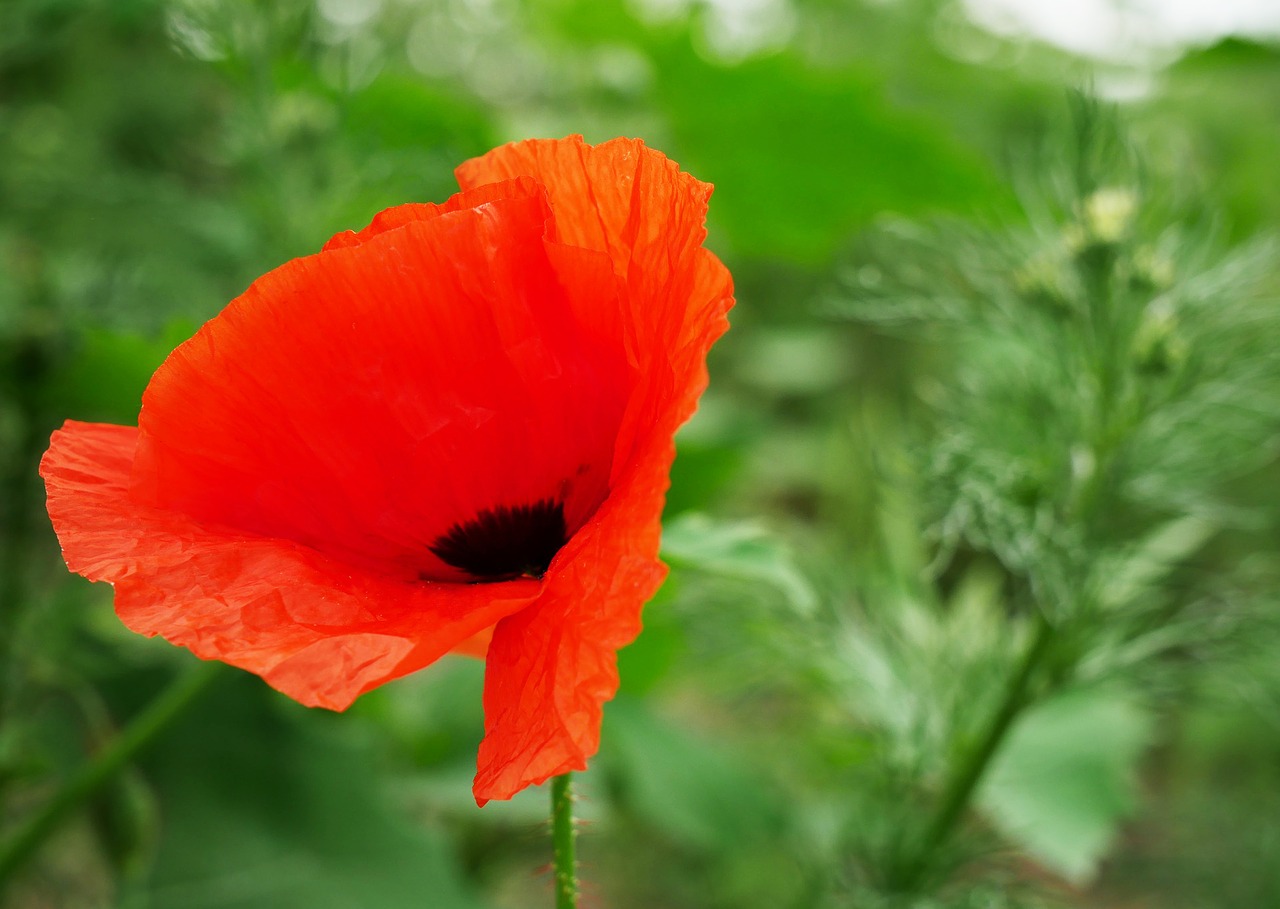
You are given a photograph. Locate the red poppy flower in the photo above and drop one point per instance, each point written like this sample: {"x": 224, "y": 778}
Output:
{"x": 450, "y": 431}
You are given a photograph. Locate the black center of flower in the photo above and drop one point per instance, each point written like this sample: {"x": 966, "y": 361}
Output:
{"x": 505, "y": 542}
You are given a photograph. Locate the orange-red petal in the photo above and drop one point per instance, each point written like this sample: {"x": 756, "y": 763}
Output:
{"x": 400, "y": 215}
{"x": 551, "y": 667}
{"x": 314, "y": 628}
{"x": 365, "y": 400}
{"x": 635, "y": 205}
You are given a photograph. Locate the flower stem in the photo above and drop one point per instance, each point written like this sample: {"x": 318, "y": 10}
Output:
{"x": 562, "y": 836}
{"x": 968, "y": 773}
{"x": 90, "y": 778}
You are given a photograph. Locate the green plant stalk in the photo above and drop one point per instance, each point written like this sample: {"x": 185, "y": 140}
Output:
{"x": 968, "y": 773}
{"x": 562, "y": 837}
{"x": 87, "y": 781}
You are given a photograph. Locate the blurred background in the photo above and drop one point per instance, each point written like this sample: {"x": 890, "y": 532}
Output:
{"x": 974, "y": 539}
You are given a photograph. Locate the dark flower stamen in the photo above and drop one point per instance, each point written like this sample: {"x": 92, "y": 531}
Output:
{"x": 504, "y": 542}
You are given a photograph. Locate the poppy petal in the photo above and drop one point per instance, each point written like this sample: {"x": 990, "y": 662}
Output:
{"x": 551, "y": 667}
{"x": 312, "y": 627}
{"x": 371, "y": 399}
{"x": 400, "y": 215}
{"x": 635, "y": 205}
{"x": 620, "y": 197}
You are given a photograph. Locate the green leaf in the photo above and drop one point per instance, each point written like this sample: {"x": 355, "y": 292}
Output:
{"x": 268, "y": 806}
{"x": 1066, "y": 777}
{"x": 398, "y": 112}
{"x": 1218, "y": 114}
{"x": 801, "y": 155}
{"x": 802, "y": 158}
{"x": 647, "y": 660}
{"x": 737, "y": 549}
{"x": 105, "y": 376}
{"x": 689, "y": 789}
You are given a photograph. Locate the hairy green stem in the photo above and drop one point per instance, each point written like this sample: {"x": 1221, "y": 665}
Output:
{"x": 87, "y": 781}
{"x": 562, "y": 836}
{"x": 969, "y": 771}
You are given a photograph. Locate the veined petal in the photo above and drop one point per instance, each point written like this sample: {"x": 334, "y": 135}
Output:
{"x": 400, "y": 215}
{"x": 366, "y": 400}
{"x": 312, "y": 627}
{"x": 551, "y": 667}
{"x": 635, "y": 205}
{"x": 620, "y": 197}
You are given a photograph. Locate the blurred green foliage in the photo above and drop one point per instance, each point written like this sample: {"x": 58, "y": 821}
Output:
{"x": 1002, "y": 361}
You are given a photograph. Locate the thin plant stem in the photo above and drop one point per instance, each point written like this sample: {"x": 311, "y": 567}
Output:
{"x": 90, "y": 778}
{"x": 972, "y": 767}
{"x": 562, "y": 836}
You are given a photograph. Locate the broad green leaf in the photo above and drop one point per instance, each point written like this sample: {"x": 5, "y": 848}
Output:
{"x": 648, "y": 659}
{"x": 700, "y": 472}
{"x": 801, "y": 155}
{"x": 1218, "y": 112}
{"x": 802, "y": 158}
{"x": 398, "y": 112}
{"x": 105, "y": 377}
{"x": 687, "y": 788}
{"x": 1066, "y": 777}
{"x": 267, "y": 806}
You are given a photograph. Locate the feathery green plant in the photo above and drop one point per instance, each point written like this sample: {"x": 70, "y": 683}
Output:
{"x": 1094, "y": 384}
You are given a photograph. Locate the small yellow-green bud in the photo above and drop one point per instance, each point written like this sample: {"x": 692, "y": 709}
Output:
{"x": 1108, "y": 214}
